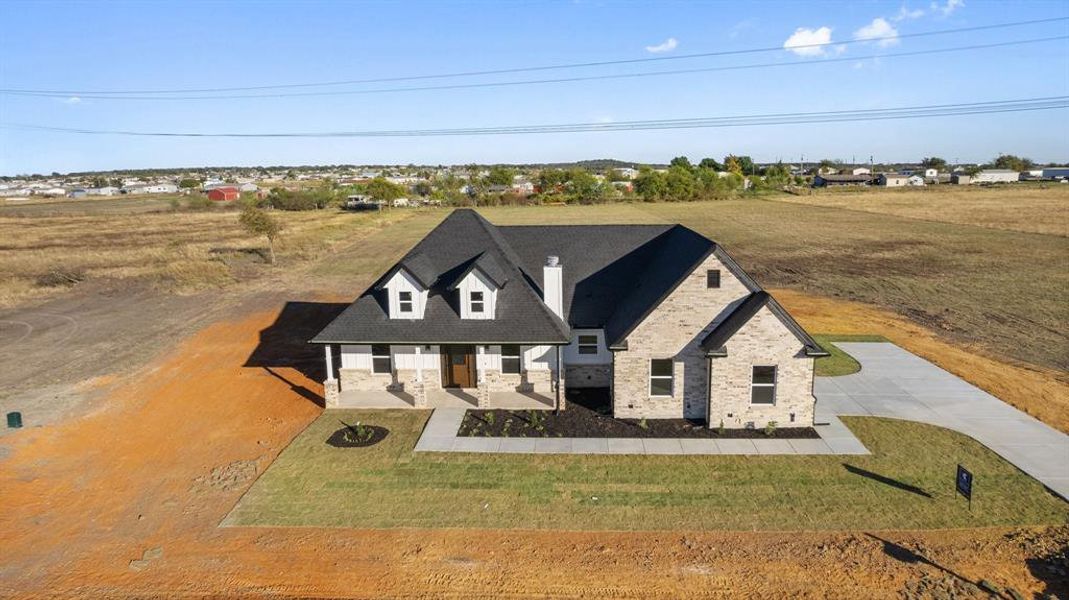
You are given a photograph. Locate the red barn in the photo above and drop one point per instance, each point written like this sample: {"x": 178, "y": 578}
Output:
{"x": 224, "y": 194}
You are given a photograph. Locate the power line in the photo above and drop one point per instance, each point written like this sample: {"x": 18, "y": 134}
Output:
{"x": 909, "y": 112}
{"x": 970, "y": 47}
{"x": 541, "y": 67}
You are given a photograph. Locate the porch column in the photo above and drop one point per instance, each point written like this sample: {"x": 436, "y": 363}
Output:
{"x": 331, "y": 389}
{"x": 419, "y": 388}
{"x": 483, "y": 388}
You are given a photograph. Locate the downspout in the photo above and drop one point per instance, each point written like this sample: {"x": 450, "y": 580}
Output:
{"x": 709, "y": 392}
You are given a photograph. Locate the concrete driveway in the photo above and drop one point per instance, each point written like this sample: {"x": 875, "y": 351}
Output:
{"x": 894, "y": 383}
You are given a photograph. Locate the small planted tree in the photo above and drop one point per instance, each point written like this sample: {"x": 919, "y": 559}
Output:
{"x": 257, "y": 221}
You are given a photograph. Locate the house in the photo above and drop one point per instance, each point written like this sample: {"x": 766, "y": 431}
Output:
{"x": 223, "y": 194}
{"x": 892, "y": 180}
{"x": 658, "y": 315}
{"x": 996, "y": 176}
{"x": 861, "y": 171}
{"x": 1055, "y": 173}
{"x": 960, "y": 179}
{"x": 78, "y": 193}
{"x": 840, "y": 180}
{"x": 915, "y": 180}
{"x": 931, "y": 173}
{"x": 103, "y": 191}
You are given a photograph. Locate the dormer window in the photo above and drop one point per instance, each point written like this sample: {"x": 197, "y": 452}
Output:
{"x": 478, "y": 304}
{"x": 404, "y": 302}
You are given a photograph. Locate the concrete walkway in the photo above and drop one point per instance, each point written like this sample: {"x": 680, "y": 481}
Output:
{"x": 895, "y": 383}
{"x": 440, "y": 435}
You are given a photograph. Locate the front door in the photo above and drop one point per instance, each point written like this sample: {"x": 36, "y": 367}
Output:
{"x": 459, "y": 367}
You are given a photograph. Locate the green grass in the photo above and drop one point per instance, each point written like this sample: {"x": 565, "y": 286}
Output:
{"x": 840, "y": 363}
{"x": 388, "y": 486}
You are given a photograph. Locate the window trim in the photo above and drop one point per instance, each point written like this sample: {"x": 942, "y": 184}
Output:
{"x": 579, "y": 345}
{"x": 388, "y": 356}
{"x": 709, "y": 279}
{"x": 481, "y": 301}
{"x": 401, "y": 301}
{"x": 518, "y": 357}
{"x": 671, "y": 379}
{"x": 773, "y": 385}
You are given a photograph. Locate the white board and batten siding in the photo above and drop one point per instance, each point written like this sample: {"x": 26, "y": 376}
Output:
{"x": 403, "y": 357}
{"x": 477, "y": 282}
{"x": 403, "y": 282}
{"x": 571, "y": 351}
{"x": 535, "y": 358}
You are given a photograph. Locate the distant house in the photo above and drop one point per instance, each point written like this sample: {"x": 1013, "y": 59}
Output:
{"x": 52, "y": 191}
{"x": 77, "y": 193}
{"x": 861, "y": 171}
{"x": 400, "y": 202}
{"x": 627, "y": 172}
{"x": 224, "y": 194}
{"x": 151, "y": 188}
{"x": 915, "y": 180}
{"x": 892, "y": 180}
{"x": 960, "y": 179}
{"x": 1055, "y": 173}
{"x": 996, "y": 176}
{"x": 841, "y": 180}
{"x": 931, "y": 173}
{"x": 248, "y": 187}
{"x": 107, "y": 190}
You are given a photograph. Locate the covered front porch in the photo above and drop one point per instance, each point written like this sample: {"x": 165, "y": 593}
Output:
{"x": 445, "y": 398}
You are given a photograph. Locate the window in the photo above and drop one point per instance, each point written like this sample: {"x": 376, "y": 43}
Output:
{"x": 380, "y": 359}
{"x": 405, "y": 302}
{"x": 712, "y": 278}
{"x": 661, "y": 377}
{"x": 588, "y": 344}
{"x": 510, "y": 358}
{"x": 763, "y": 385}
{"x": 477, "y": 303}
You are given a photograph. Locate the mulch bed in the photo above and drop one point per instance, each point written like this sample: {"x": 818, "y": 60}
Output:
{"x": 337, "y": 439}
{"x": 588, "y": 414}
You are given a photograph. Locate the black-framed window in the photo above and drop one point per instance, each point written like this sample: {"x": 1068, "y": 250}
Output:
{"x": 661, "y": 376}
{"x": 510, "y": 358}
{"x": 587, "y": 344}
{"x": 380, "y": 359}
{"x": 712, "y": 278}
{"x": 763, "y": 385}
{"x": 404, "y": 301}
{"x": 477, "y": 302}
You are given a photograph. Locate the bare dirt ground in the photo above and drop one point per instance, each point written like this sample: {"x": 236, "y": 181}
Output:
{"x": 94, "y": 507}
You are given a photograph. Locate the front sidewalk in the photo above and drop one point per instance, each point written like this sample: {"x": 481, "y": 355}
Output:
{"x": 440, "y": 435}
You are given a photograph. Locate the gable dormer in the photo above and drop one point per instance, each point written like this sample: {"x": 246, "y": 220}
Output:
{"x": 406, "y": 297}
{"x": 477, "y": 296}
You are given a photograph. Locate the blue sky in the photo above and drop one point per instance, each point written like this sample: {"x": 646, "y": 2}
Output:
{"x": 147, "y": 45}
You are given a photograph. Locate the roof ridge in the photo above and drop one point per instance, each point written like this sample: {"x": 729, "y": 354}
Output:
{"x": 514, "y": 261}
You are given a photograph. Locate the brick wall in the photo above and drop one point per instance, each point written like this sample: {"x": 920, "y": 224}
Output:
{"x": 588, "y": 376}
{"x": 675, "y": 329}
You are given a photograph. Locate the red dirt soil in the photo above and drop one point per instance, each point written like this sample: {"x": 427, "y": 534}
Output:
{"x": 127, "y": 502}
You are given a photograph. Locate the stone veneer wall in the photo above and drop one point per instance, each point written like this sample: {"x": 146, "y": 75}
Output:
{"x": 675, "y": 330}
{"x": 588, "y": 376}
{"x": 366, "y": 381}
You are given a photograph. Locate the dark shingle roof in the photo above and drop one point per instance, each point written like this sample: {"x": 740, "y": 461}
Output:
{"x": 614, "y": 275}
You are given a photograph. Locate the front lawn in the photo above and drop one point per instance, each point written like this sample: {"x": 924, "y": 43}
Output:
{"x": 839, "y": 363}
{"x": 908, "y": 482}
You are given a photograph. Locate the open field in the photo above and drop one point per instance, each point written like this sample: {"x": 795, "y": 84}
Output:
{"x": 105, "y": 205}
{"x": 1031, "y": 208}
{"x": 181, "y": 251}
{"x": 903, "y": 485}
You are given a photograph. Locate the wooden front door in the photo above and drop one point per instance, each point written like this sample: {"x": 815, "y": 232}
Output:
{"x": 458, "y": 369}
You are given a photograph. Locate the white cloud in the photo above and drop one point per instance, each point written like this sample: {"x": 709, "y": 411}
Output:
{"x": 665, "y": 46}
{"x": 72, "y": 100}
{"x": 878, "y": 28}
{"x": 803, "y": 41}
{"x": 906, "y": 14}
{"x": 949, "y": 7}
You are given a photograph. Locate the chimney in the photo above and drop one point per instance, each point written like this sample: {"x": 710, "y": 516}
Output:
{"x": 553, "y": 285}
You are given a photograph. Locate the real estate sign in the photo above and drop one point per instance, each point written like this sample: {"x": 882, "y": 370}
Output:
{"x": 964, "y": 483}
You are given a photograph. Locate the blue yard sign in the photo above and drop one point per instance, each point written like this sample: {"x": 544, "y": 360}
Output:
{"x": 964, "y": 484}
